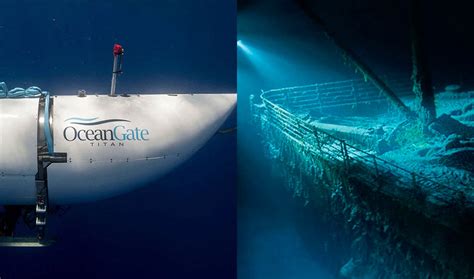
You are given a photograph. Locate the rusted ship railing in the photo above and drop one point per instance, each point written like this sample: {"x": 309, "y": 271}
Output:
{"x": 335, "y": 94}
{"x": 355, "y": 161}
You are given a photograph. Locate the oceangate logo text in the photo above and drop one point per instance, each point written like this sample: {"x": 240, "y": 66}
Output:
{"x": 91, "y": 130}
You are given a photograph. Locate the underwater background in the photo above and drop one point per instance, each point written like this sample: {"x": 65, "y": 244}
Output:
{"x": 181, "y": 226}
{"x": 280, "y": 233}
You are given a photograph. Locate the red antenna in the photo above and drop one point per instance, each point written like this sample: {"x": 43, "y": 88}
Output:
{"x": 118, "y": 50}
{"x": 117, "y": 69}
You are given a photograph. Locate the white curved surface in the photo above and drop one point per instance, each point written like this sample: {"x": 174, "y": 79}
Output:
{"x": 18, "y": 149}
{"x": 151, "y": 135}
{"x": 18, "y": 146}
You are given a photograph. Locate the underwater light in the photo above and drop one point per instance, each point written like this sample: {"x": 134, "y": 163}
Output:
{"x": 243, "y": 47}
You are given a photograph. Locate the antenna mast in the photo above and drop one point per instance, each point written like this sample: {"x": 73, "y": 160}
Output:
{"x": 117, "y": 69}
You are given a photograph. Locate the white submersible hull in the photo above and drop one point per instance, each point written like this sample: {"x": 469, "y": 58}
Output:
{"x": 110, "y": 145}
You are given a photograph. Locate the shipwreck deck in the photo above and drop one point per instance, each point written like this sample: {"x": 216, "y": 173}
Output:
{"x": 288, "y": 112}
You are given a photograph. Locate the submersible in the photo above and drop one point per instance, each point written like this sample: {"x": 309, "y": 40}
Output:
{"x": 71, "y": 149}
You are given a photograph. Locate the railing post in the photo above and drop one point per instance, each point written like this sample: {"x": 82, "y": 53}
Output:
{"x": 342, "y": 143}
{"x": 318, "y": 140}
{"x": 345, "y": 151}
{"x": 344, "y": 154}
{"x": 349, "y": 159}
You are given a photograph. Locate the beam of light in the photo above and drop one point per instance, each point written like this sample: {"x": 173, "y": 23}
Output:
{"x": 277, "y": 62}
{"x": 243, "y": 47}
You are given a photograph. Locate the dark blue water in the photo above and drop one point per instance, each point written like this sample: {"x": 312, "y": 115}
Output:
{"x": 182, "y": 226}
{"x": 277, "y": 236}
{"x": 169, "y": 45}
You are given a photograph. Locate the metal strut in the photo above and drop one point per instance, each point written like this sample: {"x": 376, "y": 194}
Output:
{"x": 46, "y": 156}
